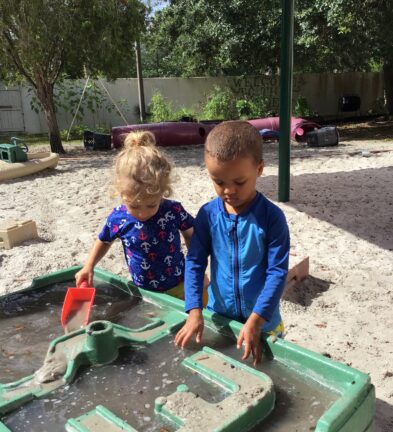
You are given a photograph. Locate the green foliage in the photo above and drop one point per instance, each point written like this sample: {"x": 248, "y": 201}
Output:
{"x": 379, "y": 107}
{"x": 42, "y": 41}
{"x": 85, "y": 38}
{"x": 241, "y": 37}
{"x": 252, "y": 108}
{"x": 185, "y": 113}
{"x": 78, "y": 129}
{"x": 244, "y": 108}
{"x": 203, "y": 38}
{"x": 67, "y": 96}
{"x": 220, "y": 105}
{"x": 160, "y": 109}
{"x": 337, "y": 35}
{"x": 302, "y": 108}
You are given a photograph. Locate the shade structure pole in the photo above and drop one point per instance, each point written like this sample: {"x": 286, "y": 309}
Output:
{"x": 141, "y": 92}
{"x": 286, "y": 79}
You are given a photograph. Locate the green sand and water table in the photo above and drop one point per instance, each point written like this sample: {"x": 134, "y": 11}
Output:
{"x": 123, "y": 372}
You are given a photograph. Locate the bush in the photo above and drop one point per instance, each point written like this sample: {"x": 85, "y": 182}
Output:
{"x": 244, "y": 108}
{"x": 160, "y": 109}
{"x": 185, "y": 114}
{"x": 252, "y": 108}
{"x": 220, "y": 105}
{"x": 302, "y": 108}
{"x": 78, "y": 129}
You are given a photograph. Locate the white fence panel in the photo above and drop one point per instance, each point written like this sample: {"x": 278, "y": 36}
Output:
{"x": 322, "y": 92}
{"x": 11, "y": 113}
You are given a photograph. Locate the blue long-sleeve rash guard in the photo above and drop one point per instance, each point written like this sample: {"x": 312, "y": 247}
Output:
{"x": 249, "y": 260}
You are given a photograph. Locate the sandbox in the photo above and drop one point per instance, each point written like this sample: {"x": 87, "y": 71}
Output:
{"x": 36, "y": 162}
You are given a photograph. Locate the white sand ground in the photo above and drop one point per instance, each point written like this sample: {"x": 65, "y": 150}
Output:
{"x": 340, "y": 214}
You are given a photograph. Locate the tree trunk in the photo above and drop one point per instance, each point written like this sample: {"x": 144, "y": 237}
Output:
{"x": 388, "y": 84}
{"x": 56, "y": 145}
{"x": 45, "y": 95}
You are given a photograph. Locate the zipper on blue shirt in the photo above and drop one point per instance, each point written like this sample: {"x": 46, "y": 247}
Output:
{"x": 236, "y": 269}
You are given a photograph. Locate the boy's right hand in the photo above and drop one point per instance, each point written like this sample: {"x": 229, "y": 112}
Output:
{"x": 193, "y": 325}
{"x": 86, "y": 273}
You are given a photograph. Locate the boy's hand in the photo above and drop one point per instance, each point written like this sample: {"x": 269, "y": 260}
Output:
{"x": 250, "y": 336}
{"x": 193, "y": 325}
{"x": 86, "y": 273}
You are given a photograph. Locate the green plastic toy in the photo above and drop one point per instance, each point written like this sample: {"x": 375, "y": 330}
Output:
{"x": 14, "y": 152}
{"x": 250, "y": 395}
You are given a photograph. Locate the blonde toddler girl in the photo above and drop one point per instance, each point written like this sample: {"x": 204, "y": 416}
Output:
{"x": 147, "y": 222}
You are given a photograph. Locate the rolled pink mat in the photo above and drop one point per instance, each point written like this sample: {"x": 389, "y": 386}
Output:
{"x": 299, "y": 126}
{"x": 166, "y": 133}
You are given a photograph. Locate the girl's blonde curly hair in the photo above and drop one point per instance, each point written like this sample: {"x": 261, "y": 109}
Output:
{"x": 141, "y": 169}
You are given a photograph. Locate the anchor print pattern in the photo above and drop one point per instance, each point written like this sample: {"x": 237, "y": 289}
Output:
{"x": 152, "y": 248}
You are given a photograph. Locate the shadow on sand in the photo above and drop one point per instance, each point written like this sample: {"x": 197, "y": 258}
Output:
{"x": 383, "y": 416}
{"x": 304, "y": 292}
{"x": 359, "y": 202}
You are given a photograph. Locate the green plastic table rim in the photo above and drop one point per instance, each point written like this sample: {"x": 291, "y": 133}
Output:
{"x": 339, "y": 408}
{"x": 14, "y": 384}
{"x": 283, "y": 351}
{"x": 230, "y": 327}
{"x": 240, "y": 417}
{"x": 155, "y": 322}
{"x": 74, "y": 424}
{"x": 193, "y": 364}
{"x": 69, "y": 274}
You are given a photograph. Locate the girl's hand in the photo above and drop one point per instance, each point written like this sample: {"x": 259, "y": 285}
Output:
{"x": 250, "y": 336}
{"x": 193, "y": 325}
{"x": 97, "y": 252}
{"x": 86, "y": 273}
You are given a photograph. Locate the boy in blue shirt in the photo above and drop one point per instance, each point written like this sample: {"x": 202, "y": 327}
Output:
{"x": 246, "y": 237}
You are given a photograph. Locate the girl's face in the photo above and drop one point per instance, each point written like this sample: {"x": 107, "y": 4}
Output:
{"x": 234, "y": 181}
{"x": 143, "y": 208}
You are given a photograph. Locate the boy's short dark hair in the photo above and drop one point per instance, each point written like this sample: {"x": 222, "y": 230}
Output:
{"x": 232, "y": 140}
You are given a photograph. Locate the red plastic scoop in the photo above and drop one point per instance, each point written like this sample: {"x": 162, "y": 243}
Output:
{"x": 77, "y": 306}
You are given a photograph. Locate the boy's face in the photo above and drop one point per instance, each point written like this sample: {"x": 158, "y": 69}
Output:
{"x": 234, "y": 181}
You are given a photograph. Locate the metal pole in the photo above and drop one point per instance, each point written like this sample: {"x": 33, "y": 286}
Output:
{"x": 77, "y": 108}
{"x": 141, "y": 93}
{"x": 286, "y": 78}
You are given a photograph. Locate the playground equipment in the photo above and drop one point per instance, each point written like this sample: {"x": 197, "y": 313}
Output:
{"x": 14, "y": 152}
{"x": 35, "y": 162}
{"x": 96, "y": 141}
{"x": 299, "y": 127}
{"x": 14, "y": 232}
{"x": 189, "y": 133}
{"x": 166, "y": 133}
{"x": 326, "y": 136}
{"x": 138, "y": 381}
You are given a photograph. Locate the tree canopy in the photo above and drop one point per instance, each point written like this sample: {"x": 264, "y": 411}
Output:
{"x": 347, "y": 36}
{"x": 213, "y": 38}
{"x": 236, "y": 37}
{"x": 43, "y": 41}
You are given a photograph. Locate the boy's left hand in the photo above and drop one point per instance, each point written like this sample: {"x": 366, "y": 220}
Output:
{"x": 250, "y": 336}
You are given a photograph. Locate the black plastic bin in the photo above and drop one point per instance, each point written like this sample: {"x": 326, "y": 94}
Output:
{"x": 102, "y": 141}
{"x": 349, "y": 103}
{"x": 324, "y": 137}
{"x": 88, "y": 140}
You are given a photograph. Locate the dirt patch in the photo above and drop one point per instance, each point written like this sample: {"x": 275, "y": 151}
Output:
{"x": 376, "y": 130}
